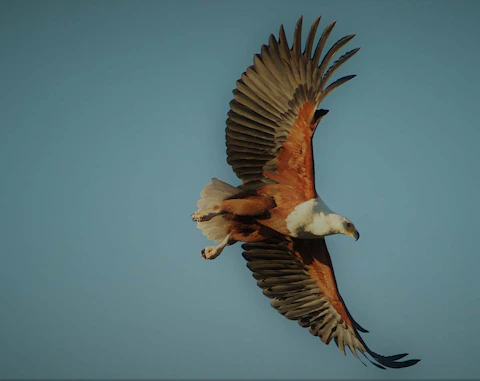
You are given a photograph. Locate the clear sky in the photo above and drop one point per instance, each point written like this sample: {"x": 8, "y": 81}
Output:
{"x": 112, "y": 120}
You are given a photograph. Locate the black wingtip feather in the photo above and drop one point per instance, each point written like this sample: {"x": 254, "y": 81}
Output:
{"x": 396, "y": 357}
{"x": 387, "y": 361}
{"x": 337, "y": 64}
{"x": 297, "y": 38}
{"x": 360, "y": 328}
{"x": 391, "y": 361}
{"x": 337, "y": 83}
{"x": 311, "y": 36}
{"x": 321, "y": 43}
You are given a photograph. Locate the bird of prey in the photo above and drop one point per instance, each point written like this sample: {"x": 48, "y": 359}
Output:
{"x": 276, "y": 210}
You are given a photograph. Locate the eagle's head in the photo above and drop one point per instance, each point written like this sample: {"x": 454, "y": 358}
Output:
{"x": 348, "y": 228}
{"x": 313, "y": 219}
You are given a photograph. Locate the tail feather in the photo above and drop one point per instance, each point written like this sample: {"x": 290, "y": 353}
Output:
{"x": 217, "y": 228}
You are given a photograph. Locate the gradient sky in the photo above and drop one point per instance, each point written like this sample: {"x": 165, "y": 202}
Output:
{"x": 112, "y": 121}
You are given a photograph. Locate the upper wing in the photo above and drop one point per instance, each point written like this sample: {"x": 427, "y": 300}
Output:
{"x": 274, "y": 112}
{"x": 298, "y": 276}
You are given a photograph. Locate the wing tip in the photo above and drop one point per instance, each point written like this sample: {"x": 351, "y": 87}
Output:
{"x": 391, "y": 361}
{"x": 332, "y": 24}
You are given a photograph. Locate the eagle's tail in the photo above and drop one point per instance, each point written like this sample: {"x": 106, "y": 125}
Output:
{"x": 209, "y": 219}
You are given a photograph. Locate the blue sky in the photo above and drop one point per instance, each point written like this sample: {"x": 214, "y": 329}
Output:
{"x": 113, "y": 117}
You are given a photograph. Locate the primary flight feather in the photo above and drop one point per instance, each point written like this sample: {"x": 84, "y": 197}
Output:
{"x": 276, "y": 210}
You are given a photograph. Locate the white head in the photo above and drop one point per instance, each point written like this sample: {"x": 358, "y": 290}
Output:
{"x": 331, "y": 223}
{"x": 313, "y": 219}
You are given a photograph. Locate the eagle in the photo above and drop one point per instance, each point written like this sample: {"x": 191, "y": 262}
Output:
{"x": 276, "y": 211}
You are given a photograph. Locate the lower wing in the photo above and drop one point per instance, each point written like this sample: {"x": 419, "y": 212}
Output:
{"x": 298, "y": 275}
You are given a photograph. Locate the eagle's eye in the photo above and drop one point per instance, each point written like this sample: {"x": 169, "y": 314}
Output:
{"x": 349, "y": 225}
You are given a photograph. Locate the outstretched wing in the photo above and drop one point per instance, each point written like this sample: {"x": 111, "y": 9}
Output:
{"x": 274, "y": 113}
{"x": 298, "y": 276}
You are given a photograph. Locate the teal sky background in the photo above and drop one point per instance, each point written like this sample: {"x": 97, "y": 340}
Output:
{"x": 112, "y": 120}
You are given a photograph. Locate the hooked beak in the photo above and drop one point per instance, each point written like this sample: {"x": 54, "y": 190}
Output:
{"x": 356, "y": 235}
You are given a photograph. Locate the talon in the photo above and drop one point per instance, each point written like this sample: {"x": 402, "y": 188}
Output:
{"x": 203, "y": 254}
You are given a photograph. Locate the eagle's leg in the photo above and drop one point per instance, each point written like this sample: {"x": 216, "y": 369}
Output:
{"x": 203, "y": 217}
{"x": 212, "y": 252}
{"x": 248, "y": 206}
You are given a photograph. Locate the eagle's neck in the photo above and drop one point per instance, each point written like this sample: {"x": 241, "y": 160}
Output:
{"x": 313, "y": 219}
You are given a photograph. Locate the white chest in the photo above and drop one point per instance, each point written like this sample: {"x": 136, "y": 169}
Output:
{"x": 311, "y": 219}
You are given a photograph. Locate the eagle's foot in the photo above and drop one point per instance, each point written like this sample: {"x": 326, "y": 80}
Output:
{"x": 212, "y": 252}
{"x": 203, "y": 217}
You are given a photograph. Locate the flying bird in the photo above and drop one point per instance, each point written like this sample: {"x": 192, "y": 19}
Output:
{"x": 276, "y": 210}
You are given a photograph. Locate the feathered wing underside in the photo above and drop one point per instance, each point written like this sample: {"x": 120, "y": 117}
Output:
{"x": 298, "y": 276}
{"x": 273, "y": 116}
